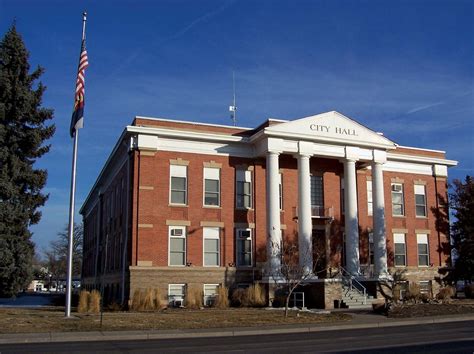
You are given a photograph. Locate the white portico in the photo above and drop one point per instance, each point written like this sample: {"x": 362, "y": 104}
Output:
{"x": 328, "y": 135}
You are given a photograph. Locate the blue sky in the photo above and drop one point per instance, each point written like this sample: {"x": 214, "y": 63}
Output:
{"x": 401, "y": 67}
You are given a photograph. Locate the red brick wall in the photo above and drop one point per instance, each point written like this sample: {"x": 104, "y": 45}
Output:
{"x": 152, "y": 208}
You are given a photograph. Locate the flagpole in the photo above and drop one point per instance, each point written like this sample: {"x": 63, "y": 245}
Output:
{"x": 71, "y": 205}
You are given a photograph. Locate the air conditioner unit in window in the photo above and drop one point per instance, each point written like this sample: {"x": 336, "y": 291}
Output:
{"x": 244, "y": 234}
{"x": 176, "y": 232}
{"x": 178, "y": 302}
{"x": 396, "y": 187}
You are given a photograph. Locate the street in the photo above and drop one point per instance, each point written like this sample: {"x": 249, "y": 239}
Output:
{"x": 455, "y": 337}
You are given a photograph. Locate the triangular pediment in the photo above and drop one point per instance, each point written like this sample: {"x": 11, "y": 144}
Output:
{"x": 331, "y": 127}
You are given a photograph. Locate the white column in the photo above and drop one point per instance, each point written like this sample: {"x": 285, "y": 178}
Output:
{"x": 380, "y": 240}
{"x": 305, "y": 225}
{"x": 350, "y": 215}
{"x": 273, "y": 214}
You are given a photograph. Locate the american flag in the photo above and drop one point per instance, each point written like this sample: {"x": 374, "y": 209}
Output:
{"x": 78, "y": 114}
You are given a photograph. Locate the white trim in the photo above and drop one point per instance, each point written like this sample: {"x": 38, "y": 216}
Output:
{"x": 210, "y": 173}
{"x": 171, "y": 175}
{"x": 192, "y": 122}
{"x": 211, "y": 237}
{"x": 169, "y": 245}
{"x": 341, "y": 141}
{"x": 423, "y": 239}
{"x": 423, "y": 159}
{"x": 206, "y": 148}
{"x": 186, "y": 134}
{"x": 406, "y": 167}
{"x": 237, "y": 247}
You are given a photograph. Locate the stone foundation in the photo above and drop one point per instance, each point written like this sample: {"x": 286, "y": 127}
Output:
{"x": 161, "y": 277}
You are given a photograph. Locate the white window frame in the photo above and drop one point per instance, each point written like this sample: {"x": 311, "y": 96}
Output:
{"x": 370, "y": 203}
{"x": 243, "y": 177}
{"x": 178, "y": 171}
{"x": 211, "y": 233}
{"x": 213, "y": 174}
{"x": 238, "y": 237}
{"x": 423, "y": 239}
{"x": 209, "y": 299}
{"x": 397, "y": 239}
{"x": 393, "y": 190}
{"x": 417, "y": 189}
{"x": 173, "y": 298}
{"x": 183, "y": 236}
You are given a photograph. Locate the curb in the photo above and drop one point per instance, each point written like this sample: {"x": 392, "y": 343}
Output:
{"x": 58, "y": 337}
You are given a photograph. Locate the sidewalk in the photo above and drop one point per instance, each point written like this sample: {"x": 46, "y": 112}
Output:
{"x": 359, "y": 320}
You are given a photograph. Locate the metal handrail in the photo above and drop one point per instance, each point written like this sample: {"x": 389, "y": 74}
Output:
{"x": 350, "y": 279}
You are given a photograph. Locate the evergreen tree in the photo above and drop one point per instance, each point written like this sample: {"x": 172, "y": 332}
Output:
{"x": 23, "y": 130}
{"x": 462, "y": 201}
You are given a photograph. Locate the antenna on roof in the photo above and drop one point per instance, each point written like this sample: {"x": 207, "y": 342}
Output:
{"x": 233, "y": 107}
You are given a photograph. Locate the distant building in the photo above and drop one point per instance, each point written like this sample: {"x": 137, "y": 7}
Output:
{"x": 187, "y": 204}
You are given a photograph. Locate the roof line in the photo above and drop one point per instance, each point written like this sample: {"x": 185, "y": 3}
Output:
{"x": 191, "y": 122}
{"x": 421, "y": 149}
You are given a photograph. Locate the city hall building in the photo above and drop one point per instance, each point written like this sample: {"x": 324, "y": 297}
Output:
{"x": 183, "y": 204}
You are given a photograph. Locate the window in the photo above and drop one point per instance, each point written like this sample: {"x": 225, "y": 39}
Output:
{"x": 178, "y": 184}
{"x": 371, "y": 248}
{"x": 244, "y": 247}
{"x": 211, "y": 246}
{"x": 370, "y": 206}
{"x": 423, "y": 253}
{"x": 176, "y": 294}
{"x": 400, "y": 250}
{"x": 420, "y": 201}
{"x": 280, "y": 190}
{"x": 210, "y": 293}
{"x": 211, "y": 186}
{"x": 398, "y": 208}
{"x": 317, "y": 191}
{"x": 244, "y": 189}
{"x": 177, "y": 246}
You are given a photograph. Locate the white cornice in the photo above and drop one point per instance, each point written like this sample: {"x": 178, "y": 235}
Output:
{"x": 339, "y": 141}
{"x": 186, "y": 134}
{"x": 422, "y": 159}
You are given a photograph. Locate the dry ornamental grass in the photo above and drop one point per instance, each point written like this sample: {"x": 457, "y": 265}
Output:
{"x": 48, "y": 320}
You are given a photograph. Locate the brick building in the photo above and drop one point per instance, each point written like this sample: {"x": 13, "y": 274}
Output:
{"x": 185, "y": 204}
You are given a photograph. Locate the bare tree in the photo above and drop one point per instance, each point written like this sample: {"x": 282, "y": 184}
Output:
{"x": 292, "y": 272}
{"x": 56, "y": 254}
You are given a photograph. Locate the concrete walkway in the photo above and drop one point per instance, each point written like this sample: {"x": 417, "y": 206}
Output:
{"x": 359, "y": 320}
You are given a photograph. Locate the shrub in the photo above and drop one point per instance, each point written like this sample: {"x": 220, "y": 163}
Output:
{"x": 396, "y": 293}
{"x": 413, "y": 293}
{"x": 137, "y": 301}
{"x": 222, "y": 298}
{"x": 83, "y": 306}
{"x": 148, "y": 300}
{"x": 159, "y": 300}
{"x": 113, "y": 307}
{"x": 255, "y": 296}
{"x": 194, "y": 298}
{"x": 239, "y": 297}
{"x": 379, "y": 306}
{"x": 445, "y": 294}
{"x": 469, "y": 291}
{"x": 94, "y": 302}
